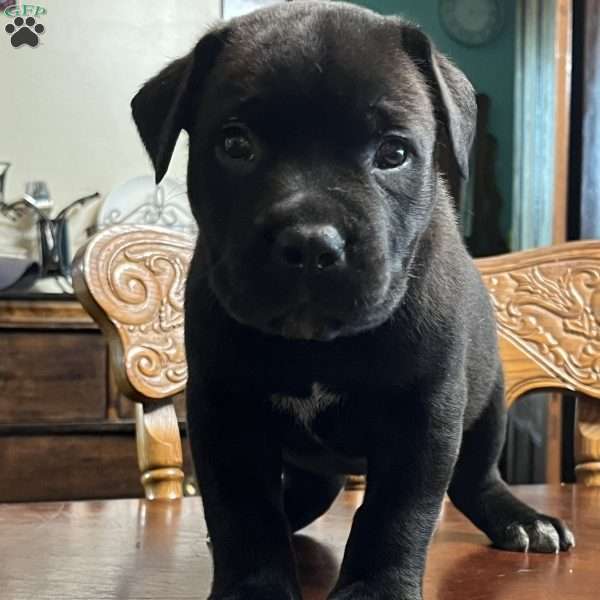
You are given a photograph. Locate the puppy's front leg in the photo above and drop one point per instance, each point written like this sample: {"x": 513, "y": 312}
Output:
{"x": 238, "y": 466}
{"x": 408, "y": 473}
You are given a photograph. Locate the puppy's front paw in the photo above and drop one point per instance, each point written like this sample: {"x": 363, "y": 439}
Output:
{"x": 361, "y": 590}
{"x": 542, "y": 534}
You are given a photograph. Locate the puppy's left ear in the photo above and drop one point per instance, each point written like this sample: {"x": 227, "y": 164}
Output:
{"x": 164, "y": 104}
{"x": 454, "y": 96}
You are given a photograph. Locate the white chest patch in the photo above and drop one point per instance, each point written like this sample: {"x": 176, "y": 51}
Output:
{"x": 305, "y": 410}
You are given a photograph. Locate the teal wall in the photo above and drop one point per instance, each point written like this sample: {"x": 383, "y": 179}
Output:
{"x": 490, "y": 68}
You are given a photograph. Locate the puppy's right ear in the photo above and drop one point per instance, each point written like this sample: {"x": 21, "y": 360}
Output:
{"x": 453, "y": 94}
{"x": 164, "y": 105}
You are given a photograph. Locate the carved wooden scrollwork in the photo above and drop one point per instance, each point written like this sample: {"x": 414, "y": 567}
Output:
{"x": 132, "y": 280}
{"x": 547, "y": 306}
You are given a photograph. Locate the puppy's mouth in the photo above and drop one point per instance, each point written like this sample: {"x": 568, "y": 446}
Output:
{"x": 304, "y": 324}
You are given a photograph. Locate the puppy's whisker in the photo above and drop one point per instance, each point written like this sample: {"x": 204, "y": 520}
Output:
{"x": 337, "y": 189}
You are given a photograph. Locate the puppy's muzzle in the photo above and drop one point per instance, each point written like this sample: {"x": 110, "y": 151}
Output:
{"x": 309, "y": 249}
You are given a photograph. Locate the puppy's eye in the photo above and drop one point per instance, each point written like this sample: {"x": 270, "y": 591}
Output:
{"x": 236, "y": 143}
{"x": 391, "y": 153}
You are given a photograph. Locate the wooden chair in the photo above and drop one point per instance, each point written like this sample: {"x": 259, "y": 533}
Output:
{"x": 131, "y": 280}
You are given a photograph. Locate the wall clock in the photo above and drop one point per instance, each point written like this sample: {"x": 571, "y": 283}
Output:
{"x": 471, "y": 22}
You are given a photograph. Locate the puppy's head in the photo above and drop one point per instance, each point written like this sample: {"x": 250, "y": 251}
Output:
{"x": 312, "y": 174}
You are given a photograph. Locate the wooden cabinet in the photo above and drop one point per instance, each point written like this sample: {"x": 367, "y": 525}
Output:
{"x": 65, "y": 431}
{"x": 52, "y": 376}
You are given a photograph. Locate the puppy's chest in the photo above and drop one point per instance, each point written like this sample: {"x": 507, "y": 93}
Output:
{"x": 307, "y": 413}
{"x": 320, "y": 432}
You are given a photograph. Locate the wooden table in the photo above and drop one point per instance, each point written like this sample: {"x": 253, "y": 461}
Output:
{"x": 133, "y": 550}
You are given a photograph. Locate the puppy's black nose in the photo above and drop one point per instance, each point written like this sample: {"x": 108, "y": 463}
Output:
{"x": 312, "y": 247}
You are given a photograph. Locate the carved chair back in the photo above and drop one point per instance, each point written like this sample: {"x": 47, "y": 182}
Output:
{"x": 131, "y": 280}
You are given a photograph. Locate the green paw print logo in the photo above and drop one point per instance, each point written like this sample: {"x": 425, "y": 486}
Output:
{"x": 24, "y": 32}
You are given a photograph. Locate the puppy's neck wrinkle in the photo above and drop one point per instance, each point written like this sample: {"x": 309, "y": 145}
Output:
{"x": 436, "y": 251}
{"x": 424, "y": 246}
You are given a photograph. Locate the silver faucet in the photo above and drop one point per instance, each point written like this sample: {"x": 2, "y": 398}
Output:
{"x": 38, "y": 194}
{"x": 36, "y": 198}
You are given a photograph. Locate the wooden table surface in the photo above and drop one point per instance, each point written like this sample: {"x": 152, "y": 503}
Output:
{"x": 139, "y": 550}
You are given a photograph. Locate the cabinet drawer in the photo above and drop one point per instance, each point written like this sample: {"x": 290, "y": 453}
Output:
{"x": 68, "y": 467}
{"x": 72, "y": 466}
{"x": 48, "y": 376}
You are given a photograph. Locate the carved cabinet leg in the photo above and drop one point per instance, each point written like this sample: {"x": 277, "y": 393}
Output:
{"x": 587, "y": 441}
{"x": 159, "y": 451}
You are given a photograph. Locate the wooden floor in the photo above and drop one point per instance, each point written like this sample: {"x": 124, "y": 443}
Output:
{"x": 139, "y": 550}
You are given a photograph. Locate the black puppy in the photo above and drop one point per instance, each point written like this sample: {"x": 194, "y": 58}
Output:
{"x": 334, "y": 321}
